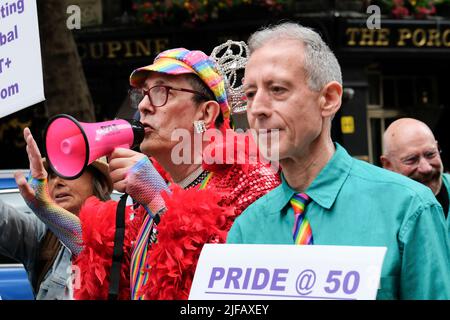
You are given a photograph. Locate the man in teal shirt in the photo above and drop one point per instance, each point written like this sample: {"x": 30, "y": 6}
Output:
{"x": 410, "y": 148}
{"x": 445, "y": 194}
{"x": 293, "y": 86}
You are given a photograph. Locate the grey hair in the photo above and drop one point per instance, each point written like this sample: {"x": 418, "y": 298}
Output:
{"x": 320, "y": 65}
{"x": 100, "y": 185}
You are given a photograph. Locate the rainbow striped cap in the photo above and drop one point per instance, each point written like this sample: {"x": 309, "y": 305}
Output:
{"x": 181, "y": 61}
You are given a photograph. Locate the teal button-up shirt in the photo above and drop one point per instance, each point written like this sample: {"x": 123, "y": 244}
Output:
{"x": 356, "y": 203}
{"x": 446, "y": 182}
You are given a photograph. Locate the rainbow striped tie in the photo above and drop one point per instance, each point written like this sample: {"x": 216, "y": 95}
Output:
{"x": 302, "y": 232}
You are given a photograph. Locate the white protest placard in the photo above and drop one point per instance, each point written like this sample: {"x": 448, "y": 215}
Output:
{"x": 268, "y": 272}
{"x": 21, "y": 82}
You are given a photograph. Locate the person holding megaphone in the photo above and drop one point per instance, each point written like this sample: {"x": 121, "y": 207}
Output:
{"x": 182, "y": 91}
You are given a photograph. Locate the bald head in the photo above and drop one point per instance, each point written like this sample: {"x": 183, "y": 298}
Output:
{"x": 409, "y": 148}
{"x": 403, "y": 132}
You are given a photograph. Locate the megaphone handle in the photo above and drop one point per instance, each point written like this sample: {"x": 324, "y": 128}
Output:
{"x": 126, "y": 146}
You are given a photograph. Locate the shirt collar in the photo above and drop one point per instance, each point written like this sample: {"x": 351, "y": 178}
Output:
{"x": 326, "y": 186}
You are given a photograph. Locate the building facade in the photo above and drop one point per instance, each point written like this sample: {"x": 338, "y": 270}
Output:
{"x": 391, "y": 67}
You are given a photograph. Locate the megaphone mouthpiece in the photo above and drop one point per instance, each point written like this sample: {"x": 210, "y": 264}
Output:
{"x": 138, "y": 131}
{"x": 71, "y": 146}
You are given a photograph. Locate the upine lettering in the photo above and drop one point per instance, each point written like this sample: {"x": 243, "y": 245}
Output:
{"x": 8, "y": 9}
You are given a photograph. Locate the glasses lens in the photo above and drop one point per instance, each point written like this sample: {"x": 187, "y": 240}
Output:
{"x": 158, "y": 95}
{"x": 136, "y": 96}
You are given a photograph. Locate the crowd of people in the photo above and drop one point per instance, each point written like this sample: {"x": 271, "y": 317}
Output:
{"x": 293, "y": 88}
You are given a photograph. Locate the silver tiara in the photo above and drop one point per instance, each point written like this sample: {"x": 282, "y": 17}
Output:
{"x": 231, "y": 57}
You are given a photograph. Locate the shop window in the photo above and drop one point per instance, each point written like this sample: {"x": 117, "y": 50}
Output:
{"x": 375, "y": 90}
{"x": 393, "y": 97}
{"x": 408, "y": 92}
{"x": 378, "y": 119}
{"x": 389, "y": 96}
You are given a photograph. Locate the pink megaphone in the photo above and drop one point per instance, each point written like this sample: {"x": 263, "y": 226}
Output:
{"x": 71, "y": 145}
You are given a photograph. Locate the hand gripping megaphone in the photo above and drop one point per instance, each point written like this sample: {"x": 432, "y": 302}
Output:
{"x": 71, "y": 146}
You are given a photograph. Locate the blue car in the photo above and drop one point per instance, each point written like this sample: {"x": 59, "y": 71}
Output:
{"x": 14, "y": 283}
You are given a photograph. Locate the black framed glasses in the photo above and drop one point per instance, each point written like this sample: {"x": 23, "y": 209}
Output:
{"x": 157, "y": 95}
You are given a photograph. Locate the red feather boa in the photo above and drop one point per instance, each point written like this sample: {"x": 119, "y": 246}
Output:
{"x": 193, "y": 217}
{"x": 94, "y": 262}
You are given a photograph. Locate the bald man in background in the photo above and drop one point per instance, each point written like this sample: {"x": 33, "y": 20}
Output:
{"x": 409, "y": 148}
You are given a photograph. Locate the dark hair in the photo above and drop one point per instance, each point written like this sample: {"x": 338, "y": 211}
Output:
{"x": 198, "y": 85}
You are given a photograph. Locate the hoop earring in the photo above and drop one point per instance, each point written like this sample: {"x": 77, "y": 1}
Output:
{"x": 199, "y": 126}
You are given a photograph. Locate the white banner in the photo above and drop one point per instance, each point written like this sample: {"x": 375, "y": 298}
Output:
{"x": 268, "y": 272}
{"x": 21, "y": 82}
